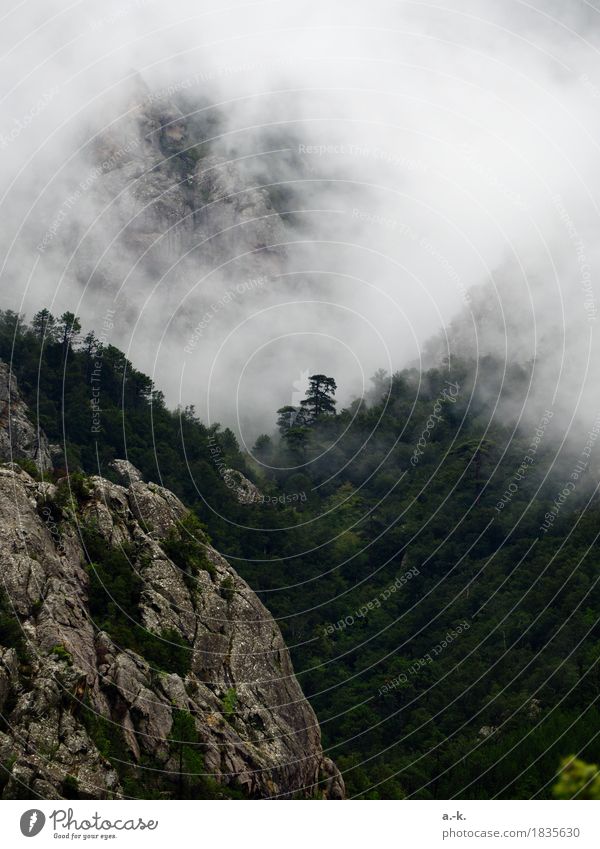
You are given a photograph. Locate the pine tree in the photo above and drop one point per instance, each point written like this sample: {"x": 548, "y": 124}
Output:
{"x": 69, "y": 328}
{"x": 44, "y": 326}
{"x": 91, "y": 345}
{"x": 319, "y": 400}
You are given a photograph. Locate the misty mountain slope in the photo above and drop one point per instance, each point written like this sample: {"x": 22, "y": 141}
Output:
{"x": 537, "y": 351}
{"x": 134, "y": 660}
{"x": 171, "y": 213}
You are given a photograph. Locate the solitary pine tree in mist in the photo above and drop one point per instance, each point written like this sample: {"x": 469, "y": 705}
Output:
{"x": 294, "y": 423}
{"x": 319, "y": 400}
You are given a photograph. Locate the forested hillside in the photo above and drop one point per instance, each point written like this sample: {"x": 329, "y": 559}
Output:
{"x": 444, "y": 629}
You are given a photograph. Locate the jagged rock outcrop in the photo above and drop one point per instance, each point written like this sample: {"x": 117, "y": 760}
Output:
{"x": 126, "y": 472}
{"x": 244, "y": 490}
{"x": 20, "y": 439}
{"x": 255, "y": 730}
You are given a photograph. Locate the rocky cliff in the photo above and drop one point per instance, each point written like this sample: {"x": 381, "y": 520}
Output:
{"x": 134, "y": 661}
{"x": 20, "y": 439}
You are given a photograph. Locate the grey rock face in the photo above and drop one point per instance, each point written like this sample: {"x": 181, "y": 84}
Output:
{"x": 255, "y": 730}
{"x": 20, "y": 439}
{"x": 244, "y": 490}
{"x": 238, "y": 219}
{"x": 174, "y": 201}
{"x": 126, "y": 471}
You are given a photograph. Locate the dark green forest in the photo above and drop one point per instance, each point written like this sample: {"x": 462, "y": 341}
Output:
{"x": 449, "y": 645}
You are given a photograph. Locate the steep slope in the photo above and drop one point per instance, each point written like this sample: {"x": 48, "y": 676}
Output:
{"x": 142, "y": 664}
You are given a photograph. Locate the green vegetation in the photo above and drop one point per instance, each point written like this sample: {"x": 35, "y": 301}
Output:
{"x": 228, "y": 589}
{"x": 578, "y": 780}
{"x": 70, "y": 787}
{"x": 110, "y": 742}
{"x": 5, "y": 770}
{"x": 229, "y": 701}
{"x": 295, "y": 423}
{"x": 407, "y": 709}
{"x": 30, "y": 467}
{"x": 71, "y": 492}
{"x": 106, "y": 735}
{"x": 61, "y": 653}
{"x": 185, "y": 545}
